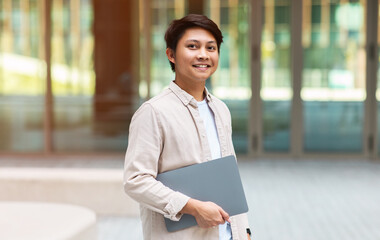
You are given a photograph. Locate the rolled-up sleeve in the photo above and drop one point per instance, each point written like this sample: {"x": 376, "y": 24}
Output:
{"x": 145, "y": 144}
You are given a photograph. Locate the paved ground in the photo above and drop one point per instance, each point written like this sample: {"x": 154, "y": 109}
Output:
{"x": 309, "y": 200}
{"x": 298, "y": 200}
{"x": 119, "y": 228}
{"x": 288, "y": 199}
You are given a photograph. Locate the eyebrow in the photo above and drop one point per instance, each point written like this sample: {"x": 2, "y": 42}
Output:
{"x": 193, "y": 40}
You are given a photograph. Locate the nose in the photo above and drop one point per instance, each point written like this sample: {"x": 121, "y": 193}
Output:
{"x": 203, "y": 55}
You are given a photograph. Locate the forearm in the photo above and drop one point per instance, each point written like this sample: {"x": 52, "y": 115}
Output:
{"x": 151, "y": 193}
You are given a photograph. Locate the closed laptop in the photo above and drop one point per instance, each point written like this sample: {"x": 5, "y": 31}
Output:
{"x": 217, "y": 181}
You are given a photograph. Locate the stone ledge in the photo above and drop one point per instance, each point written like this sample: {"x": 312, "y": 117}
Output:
{"x": 46, "y": 221}
{"x": 98, "y": 189}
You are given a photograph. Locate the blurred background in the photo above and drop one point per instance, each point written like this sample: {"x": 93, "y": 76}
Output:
{"x": 299, "y": 76}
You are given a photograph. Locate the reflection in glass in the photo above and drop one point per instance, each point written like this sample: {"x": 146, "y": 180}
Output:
{"x": 163, "y": 12}
{"x": 72, "y": 76}
{"x": 22, "y": 76}
{"x": 276, "y": 90}
{"x": 378, "y": 85}
{"x": 334, "y": 75}
{"x": 91, "y": 113}
{"x": 232, "y": 82}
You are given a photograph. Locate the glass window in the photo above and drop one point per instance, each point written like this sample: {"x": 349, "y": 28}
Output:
{"x": 22, "y": 76}
{"x": 93, "y": 82}
{"x": 333, "y": 88}
{"x": 276, "y": 89}
{"x": 163, "y": 12}
{"x": 378, "y": 84}
{"x": 232, "y": 81}
{"x": 73, "y": 78}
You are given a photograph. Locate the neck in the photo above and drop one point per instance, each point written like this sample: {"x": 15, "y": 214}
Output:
{"x": 195, "y": 89}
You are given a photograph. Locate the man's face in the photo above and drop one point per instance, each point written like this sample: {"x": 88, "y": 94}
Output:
{"x": 196, "y": 57}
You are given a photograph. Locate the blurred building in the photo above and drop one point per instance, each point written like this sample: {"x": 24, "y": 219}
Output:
{"x": 300, "y": 77}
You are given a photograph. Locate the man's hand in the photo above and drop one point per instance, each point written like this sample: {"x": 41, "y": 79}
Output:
{"x": 207, "y": 214}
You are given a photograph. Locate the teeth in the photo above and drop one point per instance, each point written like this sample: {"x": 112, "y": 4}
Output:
{"x": 200, "y": 65}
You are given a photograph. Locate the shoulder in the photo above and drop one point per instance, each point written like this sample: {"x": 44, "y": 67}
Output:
{"x": 160, "y": 98}
{"x": 222, "y": 106}
{"x": 161, "y": 103}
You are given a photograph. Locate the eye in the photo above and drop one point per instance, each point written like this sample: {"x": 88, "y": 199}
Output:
{"x": 191, "y": 46}
{"x": 212, "y": 48}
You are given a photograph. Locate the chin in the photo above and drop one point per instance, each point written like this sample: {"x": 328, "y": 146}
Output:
{"x": 202, "y": 79}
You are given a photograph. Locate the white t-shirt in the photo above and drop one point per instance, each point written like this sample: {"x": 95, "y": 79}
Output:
{"x": 213, "y": 140}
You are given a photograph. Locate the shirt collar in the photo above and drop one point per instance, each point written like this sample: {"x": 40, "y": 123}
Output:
{"x": 185, "y": 97}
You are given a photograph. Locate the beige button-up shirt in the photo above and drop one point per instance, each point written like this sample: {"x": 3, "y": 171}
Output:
{"x": 167, "y": 133}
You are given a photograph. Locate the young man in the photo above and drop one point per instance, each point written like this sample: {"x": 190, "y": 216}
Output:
{"x": 183, "y": 125}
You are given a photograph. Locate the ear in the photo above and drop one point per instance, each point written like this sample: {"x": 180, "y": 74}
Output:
{"x": 170, "y": 54}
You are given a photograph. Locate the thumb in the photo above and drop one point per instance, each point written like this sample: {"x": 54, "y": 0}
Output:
{"x": 225, "y": 215}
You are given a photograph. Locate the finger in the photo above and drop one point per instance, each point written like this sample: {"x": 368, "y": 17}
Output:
{"x": 225, "y": 215}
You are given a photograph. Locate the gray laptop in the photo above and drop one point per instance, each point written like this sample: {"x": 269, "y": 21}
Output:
{"x": 217, "y": 181}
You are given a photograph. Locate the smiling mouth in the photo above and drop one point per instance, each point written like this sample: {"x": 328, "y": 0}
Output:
{"x": 201, "y": 65}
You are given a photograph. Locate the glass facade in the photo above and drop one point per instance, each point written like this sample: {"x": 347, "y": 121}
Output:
{"x": 276, "y": 90}
{"x": 163, "y": 12}
{"x": 22, "y": 76}
{"x": 333, "y": 89}
{"x": 231, "y": 82}
{"x": 378, "y": 84}
{"x": 99, "y": 75}
{"x": 91, "y": 105}
{"x": 73, "y": 77}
